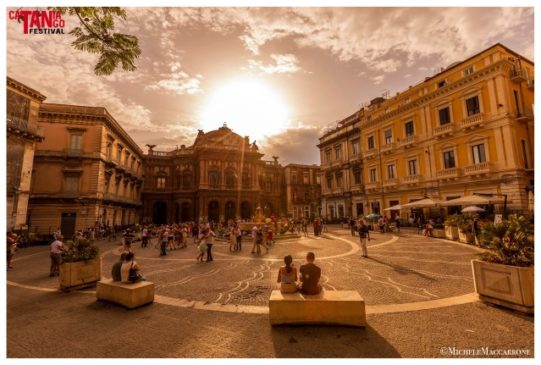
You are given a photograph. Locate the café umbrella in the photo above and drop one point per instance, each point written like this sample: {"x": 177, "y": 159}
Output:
{"x": 394, "y": 207}
{"x": 472, "y": 209}
{"x": 473, "y": 200}
{"x": 423, "y": 203}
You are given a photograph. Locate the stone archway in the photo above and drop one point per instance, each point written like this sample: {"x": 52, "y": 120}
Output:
{"x": 159, "y": 213}
{"x": 185, "y": 212}
{"x": 230, "y": 210}
{"x": 214, "y": 211}
{"x": 245, "y": 210}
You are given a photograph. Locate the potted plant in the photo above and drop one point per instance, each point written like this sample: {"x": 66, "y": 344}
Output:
{"x": 81, "y": 265}
{"x": 451, "y": 227}
{"x": 465, "y": 231}
{"x": 438, "y": 231}
{"x": 505, "y": 274}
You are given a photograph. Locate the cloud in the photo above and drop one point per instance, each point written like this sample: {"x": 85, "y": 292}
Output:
{"x": 293, "y": 145}
{"x": 283, "y": 63}
{"x": 377, "y": 79}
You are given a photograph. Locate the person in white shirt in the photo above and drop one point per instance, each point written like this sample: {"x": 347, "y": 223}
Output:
{"x": 57, "y": 247}
{"x": 130, "y": 264}
{"x": 254, "y": 238}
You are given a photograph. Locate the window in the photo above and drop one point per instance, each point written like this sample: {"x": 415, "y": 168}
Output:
{"x": 160, "y": 182}
{"x": 409, "y": 128}
{"x": 329, "y": 181}
{"x": 186, "y": 179}
{"x": 337, "y": 152}
{"x": 306, "y": 178}
{"x": 472, "y": 105}
{"x": 355, "y": 147}
{"x": 72, "y": 184}
{"x": 76, "y": 142}
{"x": 375, "y": 207}
{"x": 391, "y": 171}
{"x": 412, "y": 167}
{"x": 449, "y": 159}
{"x": 478, "y": 153}
{"x": 442, "y": 83}
{"x": 339, "y": 180}
{"x": 119, "y": 153}
{"x": 371, "y": 144}
{"x": 373, "y": 176}
{"x": 340, "y": 211}
{"x": 109, "y": 150}
{"x": 318, "y": 180}
{"x": 230, "y": 179}
{"x": 328, "y": 155}
{"x": 517, "y": 102}
{"x": 388, "y": 136}
{"x": 468, "y": 71}
{"x": 214, "y": 178}
{"x": 524, "y": 154}
{"x": 245, "y": 180}
{"x": 357, "y": 176}
{"x": 445, "y": 115}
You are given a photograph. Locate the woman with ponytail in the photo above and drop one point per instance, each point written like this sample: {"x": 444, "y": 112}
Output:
{"x": 287, "y": 276}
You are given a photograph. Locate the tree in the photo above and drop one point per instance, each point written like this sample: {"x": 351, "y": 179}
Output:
{"x": 96, "y": 35}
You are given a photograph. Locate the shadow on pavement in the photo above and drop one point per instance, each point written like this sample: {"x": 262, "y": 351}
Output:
{"x": 330, "y": 341}
{"x": 402, "y": 269}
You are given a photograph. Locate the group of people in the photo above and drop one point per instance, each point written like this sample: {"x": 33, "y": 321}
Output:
{"x": 126, "y": 269}
{"x": 308, "y": 279}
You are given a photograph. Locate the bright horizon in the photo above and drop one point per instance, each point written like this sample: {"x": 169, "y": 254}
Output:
{"x": 278, "y": 75}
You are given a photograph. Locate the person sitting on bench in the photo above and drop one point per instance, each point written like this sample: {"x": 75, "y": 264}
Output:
{"x": 115, "y": 271}
{"x": 310, "y": 275}
{"x": 287, "y": 276}
{"x": 129, "y": 270}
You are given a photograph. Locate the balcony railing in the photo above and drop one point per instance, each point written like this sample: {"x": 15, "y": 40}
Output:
{"x": 357, "y": 189}
{"x": 478, "y": 169}
{"x": 337, "y": 190}
{"x": 443, "y": 130}
{"x": 24, "y": 126}
{"x": 355, "y": 158}
{"x": 390, "y": 182}
{"x": 518, "y": 75}
{"x": 158, "y": 153}
{"x": 473, "y": 121}
{"x": 412, "y": 179}
{"x": 448, "y": 173}
{"x": 370, "y": 153}
{"x": 408, "y": 141}
{"x": 386, "y": 148}
{"x": 372, "y": 185}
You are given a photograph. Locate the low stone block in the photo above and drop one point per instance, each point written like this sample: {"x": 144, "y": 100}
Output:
{"x": 342, "y": 307}
{"x": 129, "y": 295}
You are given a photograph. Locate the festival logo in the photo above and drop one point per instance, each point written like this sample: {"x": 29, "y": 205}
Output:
{"x": 39, "y": 21}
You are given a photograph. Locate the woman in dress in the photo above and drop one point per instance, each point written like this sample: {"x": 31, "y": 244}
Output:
{"x": 287, "y": 276}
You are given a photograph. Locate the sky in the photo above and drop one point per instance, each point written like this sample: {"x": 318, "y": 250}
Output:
{"x": 279, "y": 75}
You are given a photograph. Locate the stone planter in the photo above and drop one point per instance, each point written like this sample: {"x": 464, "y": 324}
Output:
{"x": 451, "y": 233}
{"x": 508, "y": 286}
{"x": 466, "y": 237}
{"x": 438, "y": 233}
{"x": 75, "y": 275}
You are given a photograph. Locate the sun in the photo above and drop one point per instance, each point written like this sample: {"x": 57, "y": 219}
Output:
{"x": 249, "y": 105}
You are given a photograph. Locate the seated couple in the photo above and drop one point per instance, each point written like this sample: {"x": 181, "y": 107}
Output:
{"x": 126, "y": 269}
{"x": 309, "y": 276}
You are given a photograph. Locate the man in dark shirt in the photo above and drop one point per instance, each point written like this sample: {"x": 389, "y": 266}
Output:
{"x": 364, "y": 234}
{"x": 115, "y": 271}
{"x": 310, "y": 275}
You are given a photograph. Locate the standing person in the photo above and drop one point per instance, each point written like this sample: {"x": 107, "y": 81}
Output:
{"x": 364, "y": 234}
{"x": 209, "y": 236}
{"x": 324, "y": 225}
{"x": 287, "y": 276}
{"x": 233, "y": 239}
{"x": 163, "y": 242}
{"x": 352, "y": 226}
{"x": 195, "y": 233}
{"x": 144, "y": 238}
{"x": 238, "y": 246}
{"x": 57, "y": 247}
{"x": 254, "y": 238}
{"x": 385, "y": 224}
{"x": 397, "y": 223}
{"x": 171, "y": 238}
{"x": 202, "y": 246}
{"x": 310, "y": 274}
{"x": 11, "y": 247}
{"x": 476, "y": 229}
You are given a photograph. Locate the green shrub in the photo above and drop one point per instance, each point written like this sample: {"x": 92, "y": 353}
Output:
{"x": 452, "y": 220}
{"x": 510, "y": 242}
{"x": 80, "y": 250}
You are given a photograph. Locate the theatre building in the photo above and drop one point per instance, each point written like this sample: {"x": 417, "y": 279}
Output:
{"x": 221, "y": 176}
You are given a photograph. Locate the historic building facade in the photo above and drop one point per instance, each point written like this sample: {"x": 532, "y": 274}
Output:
{"x": 221, "y": 176}
{"x": 87, "y": 171}
{"x": 466, "y": 130}
{"x": 23, "y": 133}
{"x": 303, "y": 191}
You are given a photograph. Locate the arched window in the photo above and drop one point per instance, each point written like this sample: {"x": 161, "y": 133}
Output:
{"x": 230, "y": 179}
{"x": 214, "y": 178}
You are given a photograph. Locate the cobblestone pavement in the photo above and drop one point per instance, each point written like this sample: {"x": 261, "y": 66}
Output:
{"x": 402, "y": 269}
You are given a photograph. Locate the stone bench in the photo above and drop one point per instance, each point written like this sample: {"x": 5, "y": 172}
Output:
{"x": 129, "y": 295}
{"x": 342, "y": 307}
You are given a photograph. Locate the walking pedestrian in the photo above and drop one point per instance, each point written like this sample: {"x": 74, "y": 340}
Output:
{"x": 57, "y": 247}
{"x": 238, "y": 247}
{"x": 364, "y": 235}
{"x": 352, "y": 226}
{"x": 12, "y": 241}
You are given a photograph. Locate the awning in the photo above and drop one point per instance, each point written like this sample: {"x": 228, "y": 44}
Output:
{"x": 394, "y": 207}
{"x": 472, "y": 209}
{"x": 473, "y": 200}
{"x": 423, "y": 203}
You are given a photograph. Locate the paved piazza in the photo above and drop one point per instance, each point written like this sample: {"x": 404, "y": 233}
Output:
{"x": 418, "y": 292}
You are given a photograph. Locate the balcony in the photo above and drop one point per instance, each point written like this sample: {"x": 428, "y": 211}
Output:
{"x": 388, "y": 148}
{"x": 408, "y": 142}
{"x": 355, "y": 158}
{"x": 444, "y": 130}
{"x": 412, "y": 179}
{"x": 518, "y": 75}
{"x": 390, "y": 183}
{"x": 337, "y": 191}
{"x": 478, "y": 169}
{"x": 370, "y": 154}
{"x": 371, "y": 186}
{"x": 449, "y": 174}
{"x": 357, "y": 189}
{"x": 473, "y": 121}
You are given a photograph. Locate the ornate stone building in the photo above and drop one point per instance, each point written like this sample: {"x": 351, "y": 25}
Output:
{"x": 23, "y": 133}
{"x": 87, "y": 170}
{"x": 303, "y": 191}
{"x": 221, "y": 176}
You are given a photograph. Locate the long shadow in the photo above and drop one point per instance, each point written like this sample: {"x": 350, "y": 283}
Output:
{"x": 330, "y": 342}
{"x": 402, "y": 269}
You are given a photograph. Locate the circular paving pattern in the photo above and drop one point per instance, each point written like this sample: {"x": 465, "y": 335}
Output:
{"x": 403, "y": 272}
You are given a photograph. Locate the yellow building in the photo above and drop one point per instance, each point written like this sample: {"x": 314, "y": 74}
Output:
{"x": 466, "y": 130}
{"x": 87, "y": 171}
{"x": 23, "y": 133}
